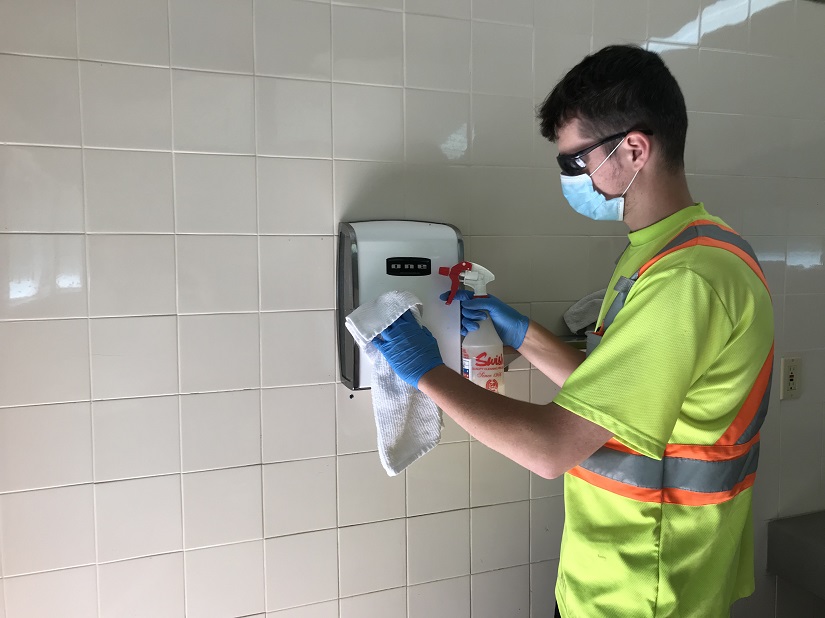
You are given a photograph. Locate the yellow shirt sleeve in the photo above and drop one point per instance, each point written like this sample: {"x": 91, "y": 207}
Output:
{"x": 673, "y": 325}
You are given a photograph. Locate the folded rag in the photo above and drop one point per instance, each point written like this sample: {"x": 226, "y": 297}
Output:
{"x": 408, "y": 422}
{"x": 584, "y": 313}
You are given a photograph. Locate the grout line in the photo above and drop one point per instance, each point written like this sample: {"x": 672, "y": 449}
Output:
{"x": 87, "y": 265}
{"x": 259, "y": 265}
{"x": 177, "y": 304}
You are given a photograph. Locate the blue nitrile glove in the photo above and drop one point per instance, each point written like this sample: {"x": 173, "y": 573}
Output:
{"x": 410, "y": 349}
{"x": 510, "y": 325}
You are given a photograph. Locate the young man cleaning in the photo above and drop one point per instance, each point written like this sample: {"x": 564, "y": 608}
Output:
{"x": 657, "y": 426}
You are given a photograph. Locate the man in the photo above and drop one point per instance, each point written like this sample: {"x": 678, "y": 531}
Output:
{"x": 657, "y": 427}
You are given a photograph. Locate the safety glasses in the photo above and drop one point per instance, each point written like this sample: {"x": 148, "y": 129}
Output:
{"x": 574, "y": 164}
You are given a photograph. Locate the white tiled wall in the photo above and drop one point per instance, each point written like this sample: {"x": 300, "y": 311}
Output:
{"x": 172, "y": 436}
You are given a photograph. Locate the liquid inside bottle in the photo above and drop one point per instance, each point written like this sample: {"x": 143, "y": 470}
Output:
{"x": 482, "y": 355}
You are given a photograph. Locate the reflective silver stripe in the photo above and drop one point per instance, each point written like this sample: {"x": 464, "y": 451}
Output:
{"x": 672, "y": 472}
{"x": 624, "y": 284}
{"x": 710, "y": 231}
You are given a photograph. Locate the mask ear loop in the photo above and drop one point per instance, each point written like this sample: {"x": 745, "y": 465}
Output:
{"x": 631, "y": 181}
{"x": 606, "y": 158}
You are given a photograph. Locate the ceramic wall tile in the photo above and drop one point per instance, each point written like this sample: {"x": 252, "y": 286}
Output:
{"x": 123, "y": 31}
{"x": 368, "y": 190}
{"x": 366, "y": 493}
{"x": 500, "y": 536}
{"x": 542, "y": 588}
{"x": 112, "y": 92}
{"x": 225, "y": 581}
{"x": 47, "y": 529}
{"x": 222, "y": 506}
{"x": 368, "y": 123}
{"x": 451, "y": 596}
{"x": 501, "y": 593}
{"x": 217, "y": 273}
{"x": 43, "y": 27}
{"x": 136, "y": 437}
{"x": 577, "y": 17}
{"x": 215, "y": 194}
{"x": 43, "y": 276}
{"x": 50, "y": 363}
{"x": 286, "y": 288}
{"x": 494, "y": 478}
{"x": 214, "y": 113}
{"x": 293, "y": 117}
{"x": 395, "y": 5}
{"x": 440, "y": 481}
{"x": 71, "y": 593}
{"x": 299, "y": 496}
{"x": 134, "y": 357}
{"x": 151, "y": 586}
{"x": 367, "y": 46}
{"x": 803, "y": 330}
{"x": 438, "y": 546}
{"x": 128, "y": 191}
{"x": 619, "y": 23}
{"x": 800, "y": 489}
{"x": 438, "y": 193}
{"x": 287, "y": 335}
{"x": 40, "y": 103}
{"x": 772, "y": 27}
{"x": 219, "y": 352}
{"x": 546, "y": 524}
{"x": 385, "y": 603}
{"x": 212, "y": 35}
{"x": 283, "y": 50}
{"x": 437, "y": 52}
{"x": 49, "y": 445}
{"x": 516, "y": 12}
{"x": 380, "y": 567}
{"x": 42, "y": 189}
{"x": 298, "y": 422}
{"x": 446, "y": 8}
{"x": 289, "y": 558}
{"x": 724, "y": 25}
{"x": 295, "y": 196}
{"x": 502, "y": 59}
{"x": 555, "y": 53}
{"x": 132, "y": 275}
{"x": 355, "y": 427}
{"x": 138, "y": 517}
{"x": 674, "y": 21}
{"x": 328, "y": 609}
{"x": 206, "y": 421}
{"x": 447, "y": 139}
{"x": 502, "y": 130}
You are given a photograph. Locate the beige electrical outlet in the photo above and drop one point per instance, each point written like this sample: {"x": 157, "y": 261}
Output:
{"x": 791, "y": 378}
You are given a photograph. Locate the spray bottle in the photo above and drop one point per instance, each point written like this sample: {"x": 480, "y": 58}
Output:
{"x": 482, "y": 352}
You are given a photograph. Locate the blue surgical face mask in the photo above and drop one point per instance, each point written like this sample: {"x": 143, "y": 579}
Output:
{"x": 585, "y": 200}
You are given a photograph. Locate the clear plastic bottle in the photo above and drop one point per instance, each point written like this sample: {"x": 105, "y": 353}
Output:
{"x": 482, "y": 352}
{"x": 482, "y": 356}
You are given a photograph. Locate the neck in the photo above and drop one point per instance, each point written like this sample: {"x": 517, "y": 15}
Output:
{"x": 657, "y": 199}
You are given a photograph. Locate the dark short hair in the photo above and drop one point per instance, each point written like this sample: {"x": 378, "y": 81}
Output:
{"x": 618, "y": 88}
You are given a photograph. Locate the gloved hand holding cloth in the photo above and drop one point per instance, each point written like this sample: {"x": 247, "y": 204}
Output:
{"x": 410, "y": 349}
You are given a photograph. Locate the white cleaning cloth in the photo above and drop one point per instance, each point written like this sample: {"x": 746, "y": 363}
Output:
{"x": 585, "y": 312}
{"x": 408, "y": 422}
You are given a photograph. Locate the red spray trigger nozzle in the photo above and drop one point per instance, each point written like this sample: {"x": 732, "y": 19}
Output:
{"x": 454, "y": 274}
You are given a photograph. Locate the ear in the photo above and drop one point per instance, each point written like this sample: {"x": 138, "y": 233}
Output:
{"x": 637, "y": 149}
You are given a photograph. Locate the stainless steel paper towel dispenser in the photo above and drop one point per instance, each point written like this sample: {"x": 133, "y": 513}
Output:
{"x": 379, "y": 256}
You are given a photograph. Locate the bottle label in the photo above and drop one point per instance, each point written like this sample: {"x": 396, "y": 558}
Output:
{"x": 484, "y": 369}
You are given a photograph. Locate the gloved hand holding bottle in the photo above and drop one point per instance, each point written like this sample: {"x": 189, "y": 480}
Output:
{"x": 410, "y": 349}
{"x": 510, "y": 325}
